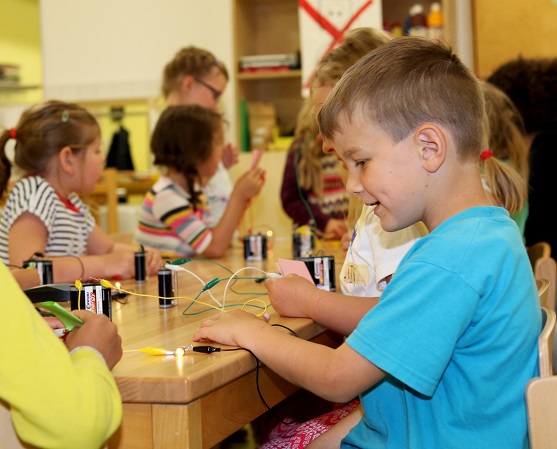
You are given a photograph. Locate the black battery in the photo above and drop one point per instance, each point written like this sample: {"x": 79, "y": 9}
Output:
{"x": 255, "y": 247}
{"x": 140, "y": 267}
{"x": 322, "y": 270}
{"x": 303, "y": 243}
{"x": 167, "y": 290}
{"x": 93, "y": 297}
{"x": 43, "y": 267}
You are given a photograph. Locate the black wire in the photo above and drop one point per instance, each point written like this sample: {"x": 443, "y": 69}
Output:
{"x": 287, "y": 328}
{"x": 42, "y": 256}
{"x": 11, "y": 265}
{"x": 211, "y": 349}
{"x": 303, "y": 418}
{"x": 257, "y": 365}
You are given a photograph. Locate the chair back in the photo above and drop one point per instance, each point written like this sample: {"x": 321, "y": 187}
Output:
{"x": 543, "y": 290}
{"x": 541, "y": 392}
{"x": 545, "y": 342}
{"x": 546, "y": 268}
{"x": 537, "y": 250}
{"x": 105, "y": 193}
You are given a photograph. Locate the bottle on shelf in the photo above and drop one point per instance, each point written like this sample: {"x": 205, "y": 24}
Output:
{"x": 435, "y": 21}
{"x": 418, "y": 21}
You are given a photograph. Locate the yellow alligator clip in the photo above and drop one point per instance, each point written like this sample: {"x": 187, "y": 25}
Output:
{"x": 151, "y": 350}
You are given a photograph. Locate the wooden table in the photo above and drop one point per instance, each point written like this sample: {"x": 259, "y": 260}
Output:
{"x": 197, "y": 400}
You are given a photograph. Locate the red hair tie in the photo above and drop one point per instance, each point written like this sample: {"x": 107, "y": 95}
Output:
{"x": 486, "y": 154}
{"x": 12, "y": 133}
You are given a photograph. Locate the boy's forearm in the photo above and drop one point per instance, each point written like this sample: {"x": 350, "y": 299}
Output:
{"x": 329, "y": 306}
{"x": 298, "y": 361}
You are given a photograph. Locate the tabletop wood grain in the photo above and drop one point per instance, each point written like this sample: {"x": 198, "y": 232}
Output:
{"x": 198, "y": 399}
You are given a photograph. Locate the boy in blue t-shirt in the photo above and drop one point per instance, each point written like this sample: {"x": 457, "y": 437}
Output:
{"x": 443, "y": 359}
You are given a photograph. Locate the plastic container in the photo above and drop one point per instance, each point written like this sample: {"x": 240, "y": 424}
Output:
{"x": 435, "y": 22}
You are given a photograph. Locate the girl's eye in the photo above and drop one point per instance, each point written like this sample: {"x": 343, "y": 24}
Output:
{"x": 360, "y": 163}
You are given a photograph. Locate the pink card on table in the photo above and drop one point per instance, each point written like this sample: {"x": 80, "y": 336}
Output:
{"x": 287, "y": 266}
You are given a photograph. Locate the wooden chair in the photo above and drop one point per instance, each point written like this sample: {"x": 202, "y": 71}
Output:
{"x": 537, "y": 251}
{"x": 105, "y": 193}
{"x": 541, "y": 392}
{"x": 544, "y": 267}
{"x": 543, "y": 290}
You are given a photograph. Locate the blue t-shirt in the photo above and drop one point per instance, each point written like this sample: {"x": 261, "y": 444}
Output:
{"x": 456, "y": 330}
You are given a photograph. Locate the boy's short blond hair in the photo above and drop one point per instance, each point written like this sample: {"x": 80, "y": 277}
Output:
{"x": 192, "y": 61}
{"x": 404, "y": 83}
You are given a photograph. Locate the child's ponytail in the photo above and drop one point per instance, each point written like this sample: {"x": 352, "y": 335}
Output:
{"x": 505, "y": 185}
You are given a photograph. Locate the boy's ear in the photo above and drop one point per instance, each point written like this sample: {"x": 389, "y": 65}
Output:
{"x": 432, "y": 146}
{"x": 67, "y": 160}
{"x": 186, "y": 84}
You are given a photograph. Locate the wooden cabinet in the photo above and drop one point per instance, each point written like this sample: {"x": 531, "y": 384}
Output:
{"x": 266, "y": 27}
{"x": 506, "y": 30}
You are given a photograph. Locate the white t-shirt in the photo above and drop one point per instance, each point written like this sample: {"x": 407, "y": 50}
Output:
{"x": 218, "y": 192}
{"x": 374, "y": 254}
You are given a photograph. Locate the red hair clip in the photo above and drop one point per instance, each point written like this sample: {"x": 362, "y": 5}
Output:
{"x": 486, "y": 154}
{"x": 12, "y": 133}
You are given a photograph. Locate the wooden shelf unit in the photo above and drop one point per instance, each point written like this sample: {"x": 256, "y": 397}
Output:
{"x": 265, "y": 27}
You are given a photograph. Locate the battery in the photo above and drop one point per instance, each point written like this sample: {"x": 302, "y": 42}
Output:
{"x": 93, "y": 297}
{"x": 167, "y": 288}
{"x": 322, "y": 270}
{"x": 255, "y": 247}
{"x": 303, "y": 242}
{"x": 43, "y": 267}
{"x": 140, "y": 267}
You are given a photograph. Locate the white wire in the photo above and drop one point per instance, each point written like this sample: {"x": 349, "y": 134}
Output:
{"x": 235, "y": 275}
{"x": 178, "y": 268}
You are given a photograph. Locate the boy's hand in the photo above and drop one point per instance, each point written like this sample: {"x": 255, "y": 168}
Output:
{"x": 230, "y": 328}
{"x": 291, "y": 296}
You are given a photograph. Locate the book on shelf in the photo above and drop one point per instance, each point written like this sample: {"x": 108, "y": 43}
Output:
{"x": 289, "y": 61}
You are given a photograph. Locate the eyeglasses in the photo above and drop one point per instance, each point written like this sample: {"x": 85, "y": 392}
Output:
{"x": 216, "y": 93}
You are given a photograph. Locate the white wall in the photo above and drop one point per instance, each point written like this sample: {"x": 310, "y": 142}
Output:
{"x": 116, "y": 49}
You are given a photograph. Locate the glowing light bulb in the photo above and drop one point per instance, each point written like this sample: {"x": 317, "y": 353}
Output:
{"x": 179, "y": 352}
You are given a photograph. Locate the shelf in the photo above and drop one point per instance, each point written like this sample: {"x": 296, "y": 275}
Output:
{"x": 15, "y": 88}
{"x": 268, "y": 27}
{"x": 269, "y": 75}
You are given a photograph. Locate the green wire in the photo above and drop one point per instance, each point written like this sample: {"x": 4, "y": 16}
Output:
{"x": 209, "y": 309}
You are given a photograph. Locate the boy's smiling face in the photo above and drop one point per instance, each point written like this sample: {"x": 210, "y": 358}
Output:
{"x": 381, "y": 172}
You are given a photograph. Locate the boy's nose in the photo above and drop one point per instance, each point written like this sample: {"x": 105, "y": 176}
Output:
{"x": 353, "y": 185}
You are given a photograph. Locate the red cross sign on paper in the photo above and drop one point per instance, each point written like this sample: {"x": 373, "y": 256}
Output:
{"x": 336, "y": 33}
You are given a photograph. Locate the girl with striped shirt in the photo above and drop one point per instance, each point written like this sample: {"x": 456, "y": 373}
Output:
{"x": 57, "y": 145}
{"x": 175, "y": 218}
